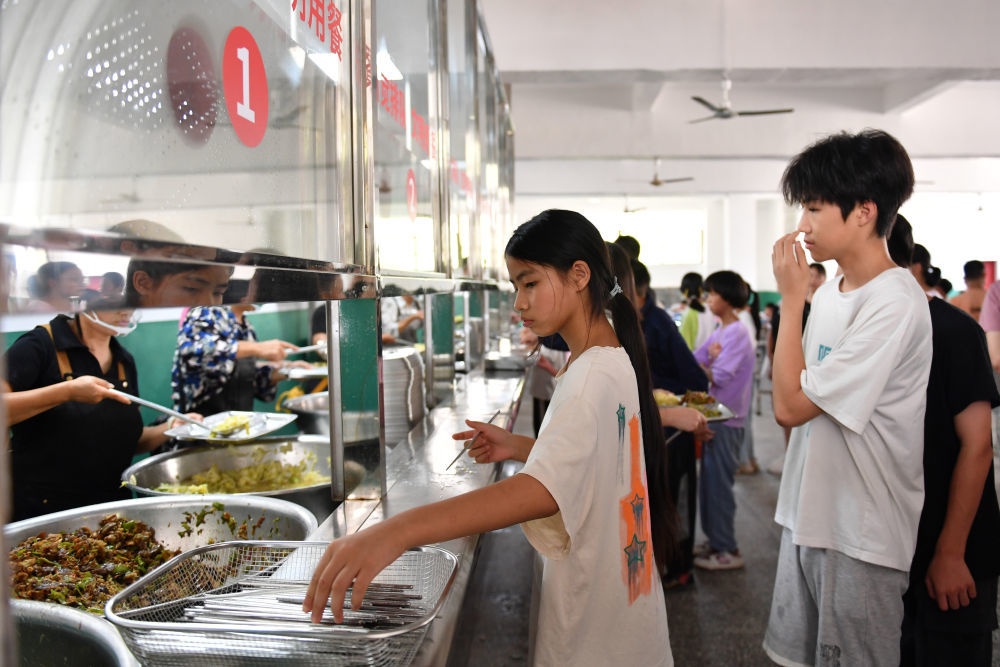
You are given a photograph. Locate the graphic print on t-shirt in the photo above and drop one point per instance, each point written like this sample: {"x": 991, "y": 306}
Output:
{"x": 621, "y": 443}
{"x": 637, "y": 552}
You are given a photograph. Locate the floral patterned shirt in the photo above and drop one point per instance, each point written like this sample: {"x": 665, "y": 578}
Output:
{"x": 206, "y": 357}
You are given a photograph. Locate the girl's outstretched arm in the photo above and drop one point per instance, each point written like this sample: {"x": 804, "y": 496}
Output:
{"x": 356, "y": 559}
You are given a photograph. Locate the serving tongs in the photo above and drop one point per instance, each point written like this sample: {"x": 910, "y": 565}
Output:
{"x": 165, "y": 410}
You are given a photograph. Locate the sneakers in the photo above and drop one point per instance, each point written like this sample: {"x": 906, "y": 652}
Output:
{"x": 719, "y": 560}
{"x": 702, "y": 550}
{"x": 748, "y": 468}
{"x": 680, "y": 580}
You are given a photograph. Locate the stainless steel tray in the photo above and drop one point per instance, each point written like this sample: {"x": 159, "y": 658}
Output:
{"x": 240, "y": 603}
{"x": 283, "y": 520}
{"x": 261, "y": 423}
{"x": 726, "y": 415}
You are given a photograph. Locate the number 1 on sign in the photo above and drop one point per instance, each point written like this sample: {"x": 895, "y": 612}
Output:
{"x": 243, "y": 108}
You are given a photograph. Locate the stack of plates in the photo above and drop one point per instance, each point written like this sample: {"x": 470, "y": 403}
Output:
{"x": 403, "y": 391}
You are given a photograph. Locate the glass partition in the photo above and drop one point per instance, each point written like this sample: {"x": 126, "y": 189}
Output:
{"x": 226, "y": 127}
{"x": 464, "y": 244}
{"x": 406, "y": 137}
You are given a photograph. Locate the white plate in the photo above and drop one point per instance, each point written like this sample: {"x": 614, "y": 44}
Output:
{"x": 308, "y": 373}
{"x": 261, "y": 423}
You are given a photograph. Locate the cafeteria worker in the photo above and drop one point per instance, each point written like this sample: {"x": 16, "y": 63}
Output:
{"x": 71, "y": 437}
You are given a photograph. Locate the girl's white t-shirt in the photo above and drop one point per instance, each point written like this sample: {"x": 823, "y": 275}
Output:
{"x": 601, "y": 598}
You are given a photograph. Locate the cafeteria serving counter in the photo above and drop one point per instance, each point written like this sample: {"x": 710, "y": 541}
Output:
{"x": 417, "y": 474}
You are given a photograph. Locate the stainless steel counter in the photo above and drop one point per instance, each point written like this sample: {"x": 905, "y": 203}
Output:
{"x": 416, "y": 475}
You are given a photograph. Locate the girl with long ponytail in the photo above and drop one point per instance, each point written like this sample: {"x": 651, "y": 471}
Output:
{"x": 592, "y": 497}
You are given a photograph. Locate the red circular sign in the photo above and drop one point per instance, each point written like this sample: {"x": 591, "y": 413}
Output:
{"x": 411, "y": 194}
{"x": 245, "y": 83}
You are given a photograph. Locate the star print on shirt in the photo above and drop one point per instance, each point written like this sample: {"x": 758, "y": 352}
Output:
{"x": 636, "y": 552}
{"x": 638, "y": 505}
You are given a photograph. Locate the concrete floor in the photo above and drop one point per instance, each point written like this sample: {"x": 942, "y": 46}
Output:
{"x": 717, "y": 620}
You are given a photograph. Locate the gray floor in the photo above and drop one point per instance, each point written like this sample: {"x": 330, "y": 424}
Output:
{"x": 717, "y": 620}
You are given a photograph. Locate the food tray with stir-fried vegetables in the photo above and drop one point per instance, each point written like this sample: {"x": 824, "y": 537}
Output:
{"x": 80, "y": 557}
{"x": 233, "y": 426}
{"x": 701, "y": 401}
{"x": 241, "y": 603}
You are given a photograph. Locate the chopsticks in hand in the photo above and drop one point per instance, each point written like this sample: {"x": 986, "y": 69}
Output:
{"x": 465, "y": 448}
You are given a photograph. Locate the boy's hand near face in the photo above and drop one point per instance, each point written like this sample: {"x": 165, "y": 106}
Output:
{"x": 791, "y": 269}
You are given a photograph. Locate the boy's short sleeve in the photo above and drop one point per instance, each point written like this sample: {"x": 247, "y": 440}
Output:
{"x": 851, "y": 379}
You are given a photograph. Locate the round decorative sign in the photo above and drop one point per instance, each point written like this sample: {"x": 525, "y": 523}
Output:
{"x": 245, "y": 84}
{"x": 191, "y": 81}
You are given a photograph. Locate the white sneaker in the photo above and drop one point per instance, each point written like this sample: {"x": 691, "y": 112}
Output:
{"x": 702, "y": 550}
{"x": 719, "y": 560}
{"x": 777, "y": 465}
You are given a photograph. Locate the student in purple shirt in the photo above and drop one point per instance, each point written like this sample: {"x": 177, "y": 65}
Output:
{"x": 728, "y": 358}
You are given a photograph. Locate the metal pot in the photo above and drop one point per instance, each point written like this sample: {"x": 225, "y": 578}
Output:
{"x": 50, "y": 634}
{"x": 165, "y": 513}
{"x": 314, "y": 418}
{"x": 172, "y": 467}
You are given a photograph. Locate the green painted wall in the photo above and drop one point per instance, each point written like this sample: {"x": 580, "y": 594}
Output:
{"x": 475, "y": 304}
{"x": 768, "y": 297}
{"x": 358, "y": 355}
{"x": 443, "y": 323}
{"x": 153, "y": 343}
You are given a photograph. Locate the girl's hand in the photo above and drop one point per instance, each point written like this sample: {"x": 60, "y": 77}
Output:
{"x": 494, "y": 443}
{"x": 684, "y": 419}
{"x": 714, "y": 350}
{"x": 791, "y": 270}
{"x": 90, "y": 389}
{"x": 353, "y": 560}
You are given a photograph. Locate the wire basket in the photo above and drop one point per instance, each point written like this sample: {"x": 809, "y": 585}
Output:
{"x": 240, "y": 603}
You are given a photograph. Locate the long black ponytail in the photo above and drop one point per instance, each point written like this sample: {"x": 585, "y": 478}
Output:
{"x": 557, "y": 239}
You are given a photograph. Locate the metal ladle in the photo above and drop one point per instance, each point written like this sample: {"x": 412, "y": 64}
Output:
{"x": 160, "y": 408}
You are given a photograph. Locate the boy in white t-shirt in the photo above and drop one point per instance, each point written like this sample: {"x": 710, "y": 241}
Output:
{"x": 854, "y": 386}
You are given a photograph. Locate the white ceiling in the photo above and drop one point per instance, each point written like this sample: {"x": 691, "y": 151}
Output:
{"x": 600, "y": 89}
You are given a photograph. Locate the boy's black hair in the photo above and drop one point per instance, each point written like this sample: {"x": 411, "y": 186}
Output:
{"x": 945, "y": 286}
{"x": 730, "y": 286}
{"x": 557, "y": 238}
{"x": 641, "y": 273}
{"x": 974, "y": 270}
{"x": 51, "y": 271}
{"x": 900, "y": 242}
{"x": 116, "y": 279}
{"x": 819, "y": 267}
{"x": 629, "y": 244}
{"x": 849, "y": 169}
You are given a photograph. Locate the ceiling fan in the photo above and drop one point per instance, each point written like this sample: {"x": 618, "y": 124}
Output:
{"x": 632, "y": 210}
{"x": 656, "y": 181}
{"x": 726, "y": 111}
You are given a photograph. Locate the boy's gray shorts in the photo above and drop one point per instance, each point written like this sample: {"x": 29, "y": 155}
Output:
{"x": 830, "y": 609}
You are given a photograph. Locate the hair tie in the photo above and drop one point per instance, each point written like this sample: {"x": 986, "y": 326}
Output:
{"x": 617, "y": 289}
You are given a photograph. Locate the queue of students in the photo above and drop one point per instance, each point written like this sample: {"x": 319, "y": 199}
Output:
{"x": 888, "y": 549}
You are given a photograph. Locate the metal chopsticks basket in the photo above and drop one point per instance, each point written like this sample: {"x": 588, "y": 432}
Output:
{"x": 239, "y": 603}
